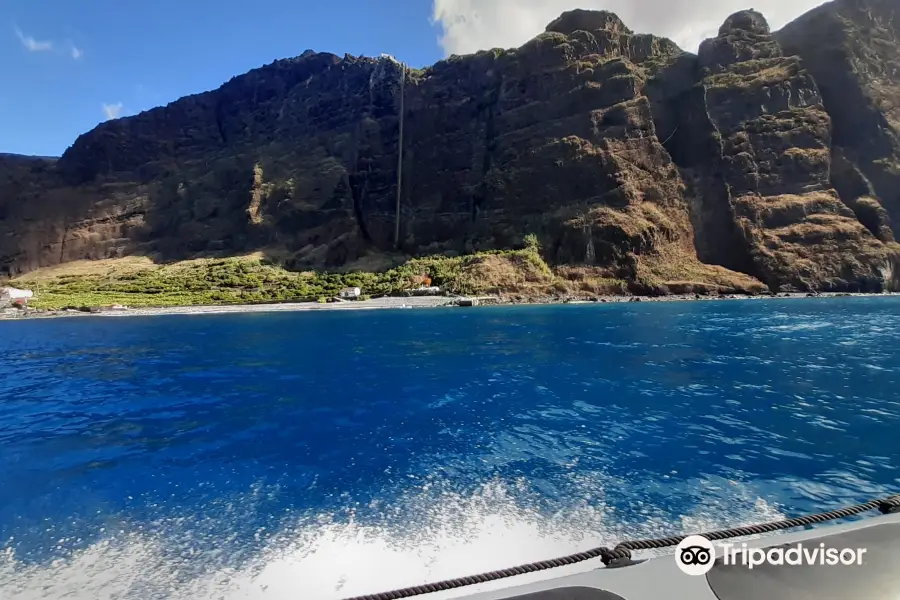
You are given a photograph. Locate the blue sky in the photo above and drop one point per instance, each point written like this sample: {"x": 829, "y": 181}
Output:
{"x": 65, "y": 59}
{"x": 70, "y": 64}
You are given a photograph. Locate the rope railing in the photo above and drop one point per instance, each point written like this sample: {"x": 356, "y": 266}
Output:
{"x": 620, "y": 555}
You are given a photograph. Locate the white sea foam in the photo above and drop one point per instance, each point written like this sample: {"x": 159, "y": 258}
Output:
{"x": 324, "y": 559}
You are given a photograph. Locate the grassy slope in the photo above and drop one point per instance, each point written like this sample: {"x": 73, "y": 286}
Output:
{"x": 519, "y": 275}
{"x": 138, "y": 282}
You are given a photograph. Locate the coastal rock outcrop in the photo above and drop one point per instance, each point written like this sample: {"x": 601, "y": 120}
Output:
{"x": 622, "y": 153}
{"x": 766, "y": 169}
{"x": 851, "y": 48}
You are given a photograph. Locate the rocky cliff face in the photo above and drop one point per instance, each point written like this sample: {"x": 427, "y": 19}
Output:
{"x": 766, "y": 171}
{"x": 621, "y": 152}
{"x": 851, "y": 48}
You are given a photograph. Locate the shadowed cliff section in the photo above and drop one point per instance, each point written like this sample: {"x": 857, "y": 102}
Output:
{"x": 851, "y": 48}
{"x": 764, "y": 168}
{"x": 627, "y": 157}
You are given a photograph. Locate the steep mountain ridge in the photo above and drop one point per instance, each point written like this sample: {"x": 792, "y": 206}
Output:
{"x": 622, "y": 153}
{"x": 772, "y": 151}
{"x": 851, "y": 48}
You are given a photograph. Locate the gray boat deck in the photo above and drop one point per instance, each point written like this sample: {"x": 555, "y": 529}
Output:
{"x": 877, "y": 578}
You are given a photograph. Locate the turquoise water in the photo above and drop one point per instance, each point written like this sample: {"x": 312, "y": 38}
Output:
{"x": 324, "y": 455}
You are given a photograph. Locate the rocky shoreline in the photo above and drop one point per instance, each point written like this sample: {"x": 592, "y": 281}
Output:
{"x": 702, "y": 298}
{"x": 399, "y": 303}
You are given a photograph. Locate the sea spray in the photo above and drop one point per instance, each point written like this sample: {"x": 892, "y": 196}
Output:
{"x": 330, "y": 557}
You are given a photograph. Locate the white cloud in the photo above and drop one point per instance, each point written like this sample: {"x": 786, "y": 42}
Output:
{"x": 76, "y": 52}
{"x": 112, "y": 111}
{"x": 472, "y": 25}
{"x": 32, "y": 44}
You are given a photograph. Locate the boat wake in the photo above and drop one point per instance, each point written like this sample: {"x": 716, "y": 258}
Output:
{"x": 330, "y": 557}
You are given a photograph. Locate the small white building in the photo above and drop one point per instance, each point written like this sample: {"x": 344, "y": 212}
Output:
{"x": 350, "y": 293}
{"x": 11, "y": 295}
{"x": 426, "y": 290}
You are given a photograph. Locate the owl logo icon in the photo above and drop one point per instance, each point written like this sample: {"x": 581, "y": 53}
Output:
{"x": 695, "y": 555}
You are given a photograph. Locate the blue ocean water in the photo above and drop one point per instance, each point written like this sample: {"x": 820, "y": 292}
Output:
{"x": 324, "y": 455}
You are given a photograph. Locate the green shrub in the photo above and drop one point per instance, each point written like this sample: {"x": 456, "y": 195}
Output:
{"x": 243, "y": 280}
{"x": 532, "y": 243}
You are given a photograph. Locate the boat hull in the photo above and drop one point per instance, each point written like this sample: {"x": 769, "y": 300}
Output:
{"x": 875, "y": 577}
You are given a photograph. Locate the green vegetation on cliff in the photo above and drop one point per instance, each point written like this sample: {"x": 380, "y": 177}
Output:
{"x": 519, "y": 275}
{"x": 138, "y": 282}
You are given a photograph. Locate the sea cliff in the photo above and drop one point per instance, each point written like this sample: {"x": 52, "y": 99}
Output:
{"x": 592, "y": 159}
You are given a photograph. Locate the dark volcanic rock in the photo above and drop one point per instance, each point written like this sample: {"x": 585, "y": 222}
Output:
{"x": 770, "y": 169}
{"x": 743, "y": 37}
{"x": 746, "y": 23}
{"x": 588, "y": 20}
{"x": 851, "y": 48}
{"x": 617, "y": 149}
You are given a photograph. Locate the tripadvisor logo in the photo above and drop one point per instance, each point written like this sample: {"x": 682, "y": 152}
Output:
{"x": 696, "y": 555}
